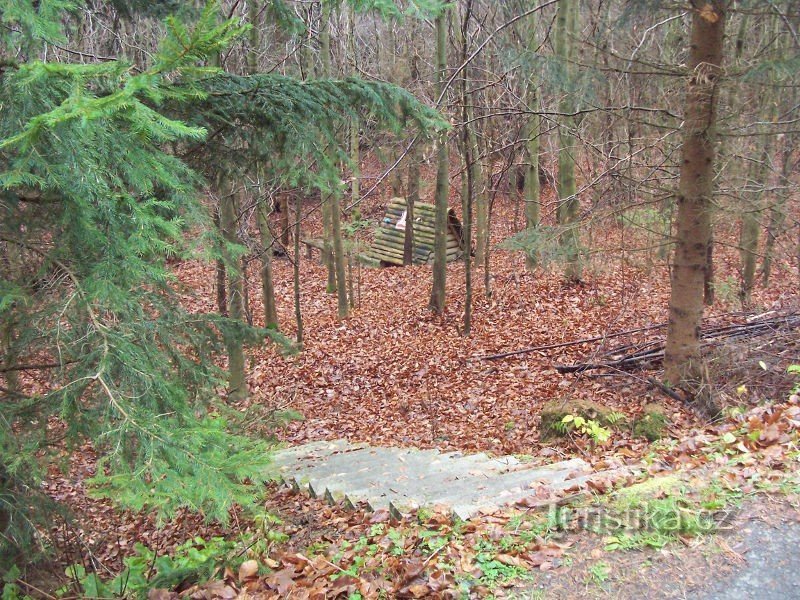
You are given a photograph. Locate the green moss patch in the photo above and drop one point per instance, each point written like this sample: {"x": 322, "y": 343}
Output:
{"x": 652, "y": 423}
{"x": 554, "y": 411}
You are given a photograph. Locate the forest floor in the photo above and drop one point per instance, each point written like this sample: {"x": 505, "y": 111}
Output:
{"x": 395, "y": 374}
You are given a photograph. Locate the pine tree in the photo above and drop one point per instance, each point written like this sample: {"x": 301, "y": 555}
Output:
{"x": 99, "y": 187}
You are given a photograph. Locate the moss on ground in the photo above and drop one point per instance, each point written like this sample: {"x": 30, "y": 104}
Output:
{"x": 652, "y": 423}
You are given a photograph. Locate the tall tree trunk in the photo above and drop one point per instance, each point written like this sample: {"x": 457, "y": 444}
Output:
{"x": 355, "y": 159}
{"x": 219, "y": 275}
{"x": 327, "y": 209}
{"x": 286, "y": 227}
{"x": 355, "y": 192}
{"x": 708, "y": 271}
{"x": 237, "y": 379}
{"x": 262, "y": 215}
{"x": 442, "y": 178}
{"x": 569, "y": 205}
{"x": 267, "y": 284}
{"x": 394, "y": 154}
{"x": 339, "y": 259}
{"x": 471, "y": 172}
{"x": 531, "y": 189}
{"x": 304, "y": 57}
{"x": 683, "y": 364}
{"x": 751, "y": 217}
{"x": 414, "y": 158}
{"x": 234, "y": 344}
{"x": 777, "y": 213}
{"x": 334, "y": 245}
{"x": 411, "y": 200}
{"x": 12, "y": 261}
{"x": 531, "y": 192}
{"x": 298, "y": 314}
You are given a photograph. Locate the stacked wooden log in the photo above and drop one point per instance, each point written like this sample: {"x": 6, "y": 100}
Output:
{"x": 390, "y": 237}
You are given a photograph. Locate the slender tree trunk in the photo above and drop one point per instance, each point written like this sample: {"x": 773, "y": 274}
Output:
{"x": 532, "y": 190}
{"x": 7, "y": 358}
{"x": 267, "y": 285}
{"x": 237, "y": 379}
{"x": 396, "y": 176}
{"x": 220, "y": 276}
{"x": 342, "y": 305}
{"x": 569, "y": 205}
{"x": 414, "y": 158}
{"x": 708, "y": 271}
{"x": 408, "y": 233}
{"x": 683, "y": 364}
{"x": 471, "y": 170}
{"x": 351, "y": 293}
{"x": 355, "y": 158}
{"x": 286, "y": 227}
{"x": 298, "y": 314}
{"x": 334, "y": 245}
{"x": 248, "y": 314}
{"x": 777, "y": 213}
{"x": 442, "y": 178}
{"x": 262, "y": 216}
{"x": 327, "y": 210}
{"x": 12, "y": 259}
{"x": 355, "y": 192}
{"x": 751, "y": 218}
{"x": 481, "y": 208}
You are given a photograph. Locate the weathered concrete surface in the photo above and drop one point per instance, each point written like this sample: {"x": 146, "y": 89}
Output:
{"x": 401, "y": 479}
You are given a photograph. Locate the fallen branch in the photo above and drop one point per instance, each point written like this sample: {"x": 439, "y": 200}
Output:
{"x": 598, "y": 338}
{"x": 652, "y": 353}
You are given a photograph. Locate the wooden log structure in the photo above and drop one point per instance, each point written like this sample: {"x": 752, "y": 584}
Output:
{"x": 390, "y": 237}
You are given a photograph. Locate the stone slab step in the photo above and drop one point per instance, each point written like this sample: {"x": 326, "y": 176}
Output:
{"x": 490, "y": 504}
{"x": 418, "y": 475}
{"x": 468, "y": 489}
{"x": 402, "y": 479}
{"x": 313, "y": 451}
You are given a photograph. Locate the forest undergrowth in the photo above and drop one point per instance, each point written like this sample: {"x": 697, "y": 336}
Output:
{"x": 395, "y": 374}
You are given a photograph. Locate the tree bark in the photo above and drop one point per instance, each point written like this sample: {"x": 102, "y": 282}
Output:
{"x": 262, "y": 215}
{"x": 327, "y": 217}
{"x": 442, "y": 178}
{"x": 531, "y": 187}
{"x": 220, "y": 276}
{"x": 414, "y": 157}
{"x": 569, "y": 206}
{"x": 531, "y": 191}
{"x": 267, "y": 284}
{"x": 683, "y": 365}
{"x": 298, "y": 314}
{"x": 777, "y": 213}
{"x": 751, "y": 218}
{"x": 471, "y": 170}
{"x": 237, "y": 379}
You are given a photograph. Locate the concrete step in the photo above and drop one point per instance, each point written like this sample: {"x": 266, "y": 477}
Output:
{"x": 417, "y": 475}
{"x": 467, "y": 490}
{"x": 367, "y": 464}
{"x": 402, "y": 479}
{"x": 487, "y": 504}
{"x": 311, "y": 452}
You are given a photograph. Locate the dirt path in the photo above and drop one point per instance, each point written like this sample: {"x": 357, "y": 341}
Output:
{"x": 771, "y": 566}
